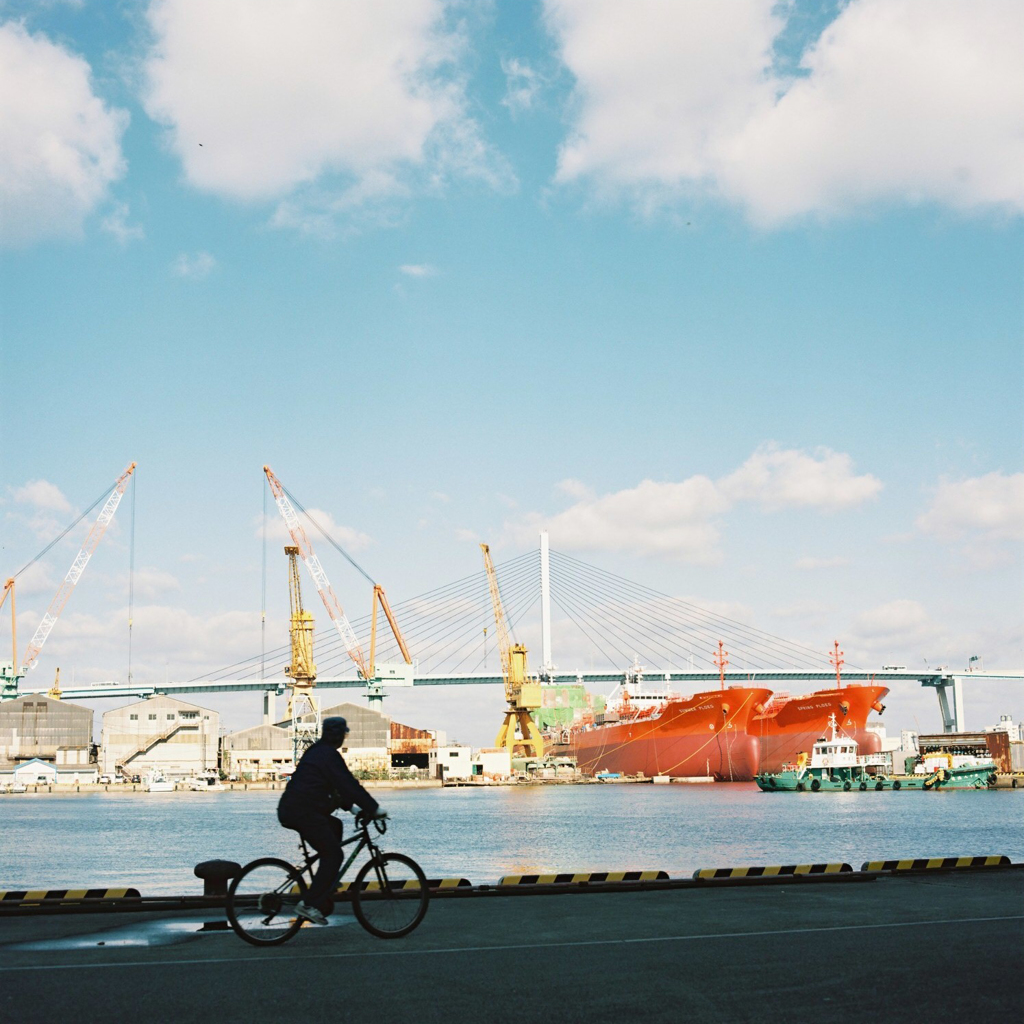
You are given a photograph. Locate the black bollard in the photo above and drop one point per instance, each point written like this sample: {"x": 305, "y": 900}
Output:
{"x": 215, "y": 875}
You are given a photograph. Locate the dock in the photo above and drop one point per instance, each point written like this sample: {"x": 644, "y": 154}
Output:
{"x": 889, "y": 945}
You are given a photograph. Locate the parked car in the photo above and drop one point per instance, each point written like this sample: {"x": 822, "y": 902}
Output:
{"x": 104, "y": 780}
{"x": 136, "y": 778}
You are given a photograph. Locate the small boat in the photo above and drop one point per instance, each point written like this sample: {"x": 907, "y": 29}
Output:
{"x": 835, "y": 764}
{"x": 205, "y": 783}
{"x": 156, "y": 782}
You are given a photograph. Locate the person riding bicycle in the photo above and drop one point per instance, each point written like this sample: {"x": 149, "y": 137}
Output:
{"x": 320, "y": 785}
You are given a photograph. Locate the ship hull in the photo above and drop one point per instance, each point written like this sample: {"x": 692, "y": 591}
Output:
{"x": 790, "y": 726}
{"x": 707, "y": 734}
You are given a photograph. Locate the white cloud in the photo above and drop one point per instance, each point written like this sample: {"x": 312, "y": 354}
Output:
{"x": 820, "y": 563}
{"x": 652, "y": 518}
{"x": 680, "y": 519}
{"x": 898, "y": 628}
{"x": 325, "y": 106}
{"x": 522, "y": 83}
{"x": 575, "y": 488}
{"x": 41, "y": 494}
{"x": 195, "y": 266}
{"x": 61, "y": 144}
{"x": 116, "y": 224}
{"x": 349, "y": 538}
{"x": 991, "y": 506}
{"x": 898, "y": 100}
{"x": 776, "y": 479}
{"x": 150, "y": 583}
{"x": 417, "y": 270}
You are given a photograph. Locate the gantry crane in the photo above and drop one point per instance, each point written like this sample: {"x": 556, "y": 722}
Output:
{"x": 9, "y": 681}
{"x": 303, "y": 708}
{"x": 375, "y": 675}
{"x": 521, "y": 692}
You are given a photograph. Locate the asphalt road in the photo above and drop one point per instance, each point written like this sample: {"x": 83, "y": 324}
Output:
{"x": 943, "y": 946}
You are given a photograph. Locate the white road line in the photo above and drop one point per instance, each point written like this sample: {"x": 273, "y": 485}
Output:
{"x": 268, "y": 957}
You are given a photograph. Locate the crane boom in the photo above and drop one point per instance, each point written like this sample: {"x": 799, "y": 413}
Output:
{"x": 77, "y": 568}
{"x": 316, "y": 571}
{"x": 521, "y": 692}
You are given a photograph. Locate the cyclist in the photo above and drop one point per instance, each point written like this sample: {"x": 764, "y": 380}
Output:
{"x": 320, "y": 784}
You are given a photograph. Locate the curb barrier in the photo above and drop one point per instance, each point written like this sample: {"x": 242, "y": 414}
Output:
{"x": 773, "y": 871}
{"x": 411, "y": 883}
{"x": 33, "y": 896}
{"x": 586, "y": 877}
{"x": 941, "y": 863}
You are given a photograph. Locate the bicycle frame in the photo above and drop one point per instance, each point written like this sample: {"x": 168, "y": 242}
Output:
{"x": 361, "y": 839}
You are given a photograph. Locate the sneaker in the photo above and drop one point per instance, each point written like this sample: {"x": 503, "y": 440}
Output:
{"x": 309, "y": 913}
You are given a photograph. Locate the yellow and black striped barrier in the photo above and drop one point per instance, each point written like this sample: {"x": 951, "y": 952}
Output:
{"x": 931, "y": 863}
{"x": 33, "y": 896}
{"x": 412, "y": 883}
{"x": 585, "y": 877}
{"x": 773, "y": 871}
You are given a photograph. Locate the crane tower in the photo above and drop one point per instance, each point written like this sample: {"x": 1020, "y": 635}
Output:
{"x": 303, "y": 707}
{"x": 522, "y": 692}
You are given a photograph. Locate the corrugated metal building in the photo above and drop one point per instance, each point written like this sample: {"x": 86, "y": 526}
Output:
{"x": 262, "y": 751}
{"x": 161, "y": 732}
{"x": 36, "y": 726}
{"x": 368, "y": 745}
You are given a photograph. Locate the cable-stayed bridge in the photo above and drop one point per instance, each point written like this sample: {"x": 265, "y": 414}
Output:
{"x": 628, "y": 631}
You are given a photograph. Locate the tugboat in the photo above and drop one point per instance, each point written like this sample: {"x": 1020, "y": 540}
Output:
{"x": 835, "y": 764}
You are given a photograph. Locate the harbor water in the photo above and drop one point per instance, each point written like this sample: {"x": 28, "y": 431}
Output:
{"x": 152, "y": 841}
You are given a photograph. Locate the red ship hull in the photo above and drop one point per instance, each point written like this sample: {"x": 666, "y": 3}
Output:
{"x": 789, "y": 726}
{"x": 707, "y": 734}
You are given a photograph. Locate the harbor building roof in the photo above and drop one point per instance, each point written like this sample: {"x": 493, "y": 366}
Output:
{"x": 35, "y": 725}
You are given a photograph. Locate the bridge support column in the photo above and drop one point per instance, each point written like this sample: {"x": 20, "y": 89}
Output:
{"x": 269, "y": 710}
{"x": 545, "y": 607}
{"x": 951, "y": 701}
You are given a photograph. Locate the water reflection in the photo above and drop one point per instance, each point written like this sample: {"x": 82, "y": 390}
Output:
{"x": 152, "y": 841}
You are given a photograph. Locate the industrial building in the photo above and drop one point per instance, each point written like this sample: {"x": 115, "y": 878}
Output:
{"x": 161, "y": 733}
{"x": 260, "y": 752}
{"x": 35, "y": 726}
{"x": 35, "y": 772}
{"x": 368, "y": 744}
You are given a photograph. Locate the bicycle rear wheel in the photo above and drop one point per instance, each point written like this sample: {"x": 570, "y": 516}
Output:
{"x": 390, "y": 895}
{"x": 261, "y": 902}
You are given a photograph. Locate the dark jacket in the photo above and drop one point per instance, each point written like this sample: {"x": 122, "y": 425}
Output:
{"x": 322, "y": 783}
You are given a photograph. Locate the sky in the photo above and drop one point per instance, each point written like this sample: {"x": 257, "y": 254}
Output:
{"x": 729, "y": 304}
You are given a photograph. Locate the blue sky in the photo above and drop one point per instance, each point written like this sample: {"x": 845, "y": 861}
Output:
{"x": 732, "y": 307}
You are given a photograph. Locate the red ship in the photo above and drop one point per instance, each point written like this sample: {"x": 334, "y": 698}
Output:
{"x": 706, "y": 734}
{"x": 788, "y": 725}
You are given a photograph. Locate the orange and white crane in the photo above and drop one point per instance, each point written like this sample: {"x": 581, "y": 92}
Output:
{"x": 398, "y": 673}
{"x": 316, "y": 570}
{"x": 74, "y": 574}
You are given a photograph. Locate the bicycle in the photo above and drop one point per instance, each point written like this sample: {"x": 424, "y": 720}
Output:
{"x": 389, "y": 894}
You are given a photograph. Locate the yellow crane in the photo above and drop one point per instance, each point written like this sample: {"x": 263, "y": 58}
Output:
{"x": 303, "y": 709}
{"x": 521, "y": 692}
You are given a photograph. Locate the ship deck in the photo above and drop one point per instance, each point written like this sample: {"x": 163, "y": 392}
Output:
{"x": 930, "y": 946}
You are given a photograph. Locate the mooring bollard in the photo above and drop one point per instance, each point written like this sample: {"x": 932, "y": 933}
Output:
{"x": 215, "y": 875}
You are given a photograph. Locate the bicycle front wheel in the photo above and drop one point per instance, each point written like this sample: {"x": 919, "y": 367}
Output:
{"x": 390, "y": 895}
{"x": 261, "y": 902}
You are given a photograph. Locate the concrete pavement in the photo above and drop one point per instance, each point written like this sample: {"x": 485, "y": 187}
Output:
{"x": 933, "y": 946}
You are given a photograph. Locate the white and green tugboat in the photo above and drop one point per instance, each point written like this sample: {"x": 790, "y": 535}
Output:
{"x": 836, "y": 765}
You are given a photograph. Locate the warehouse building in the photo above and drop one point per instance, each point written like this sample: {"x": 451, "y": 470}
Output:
{"x": 161, "y": 733}
{"x": 261, "y": 752}
{"x": 36, "y": 726}
{"x": 368, "y": 744}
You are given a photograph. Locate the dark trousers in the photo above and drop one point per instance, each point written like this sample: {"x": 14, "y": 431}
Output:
{"x": 323, "y": 833}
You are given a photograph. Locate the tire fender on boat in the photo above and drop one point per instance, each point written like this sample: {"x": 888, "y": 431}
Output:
{"x": 846, "y": 786}
{"x": 897, "y": 784}
{"x": 800, "y": 787}
{"x": 815, "y": 784}
{"x": 879, "y": 785}
{"x": 863, "y": 786}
